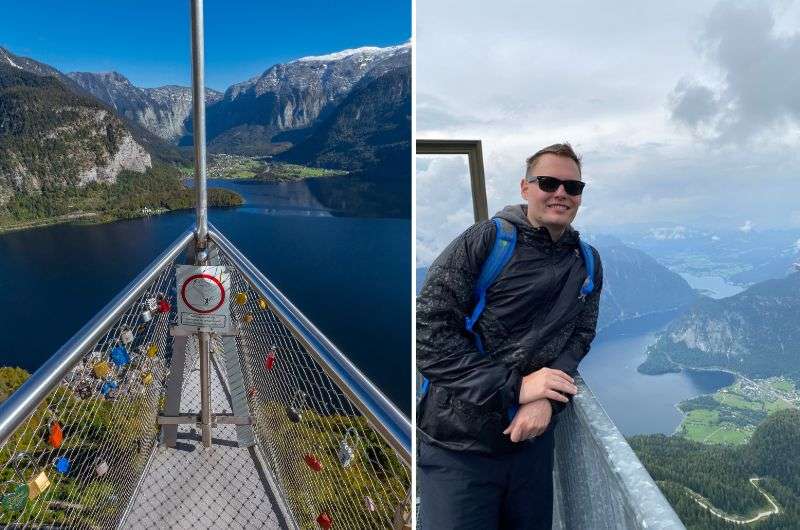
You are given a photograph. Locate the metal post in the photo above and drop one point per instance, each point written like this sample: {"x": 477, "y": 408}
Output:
{"x": 201, "y": 209}
{"x": 199, "y": 121}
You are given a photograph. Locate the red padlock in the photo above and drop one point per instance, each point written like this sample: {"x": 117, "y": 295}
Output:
{"x": 324, "y": 520}
{"x": 163, "y": 306}
{"x": 312, "y": 462}
{"x": 56, "y": 436}
{"x": 252, "y": 392}
{"x": 270, "y": 361}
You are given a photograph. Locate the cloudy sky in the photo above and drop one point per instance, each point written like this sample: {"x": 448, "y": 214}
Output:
{"x": 685, "y": 113}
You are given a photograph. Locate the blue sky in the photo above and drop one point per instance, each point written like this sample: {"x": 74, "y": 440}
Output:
{"x": 148, "y": 41}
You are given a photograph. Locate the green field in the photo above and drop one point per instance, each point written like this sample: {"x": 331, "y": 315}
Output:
{"x": 730, "y": 415}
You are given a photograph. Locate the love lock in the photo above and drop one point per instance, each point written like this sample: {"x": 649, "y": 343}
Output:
{"x": 163, "y": 304}
{"x": 270, "y": 360}
{"x": 152, "y": 350}
{"x": 55, "y": 436}
{"x": 147, "y": 315}
{"x": 120, "y": 356}
{"x": 101, "y": 369}
{"x": 147, "y": 378}
{"x": 312, "y": 462}
{"x": 126, "y": 336}
{"x": 101, "y": 468}
{"x": 37, "y": 484}
{"x": 84, "y": 390}
{"x": 346, "y": 453}
{"x": 151, "y": 304}
{"x": 240, "y": 298}
{"x": 369, "y": 504}
{"x": 248, "y": 318}
{"x": 62, "y": 465}
{"x": 324, "y": 521}
{"x": 262, "y": 304}
{"x": 293, "y": 410}
{"x": 109, "y": 389}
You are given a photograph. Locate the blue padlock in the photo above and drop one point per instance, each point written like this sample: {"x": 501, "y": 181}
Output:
{"x": 119, "y": 356}
{"x": 62, "y": 465}
{"x": 108, "y": 386}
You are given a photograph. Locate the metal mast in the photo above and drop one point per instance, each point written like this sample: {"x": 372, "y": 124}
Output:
{"x": 201, "y": 209}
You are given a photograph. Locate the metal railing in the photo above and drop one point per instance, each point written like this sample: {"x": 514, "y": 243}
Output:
{"x": 599, "y": 481}
{"x": 77, "y": 437}
{"x": 334, "y": 444}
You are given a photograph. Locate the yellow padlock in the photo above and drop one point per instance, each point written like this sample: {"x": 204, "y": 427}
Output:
{"x": 248, "y": 318}
{"x": 240, "y": 298}
{"x": 152, "y": 350}
{"x": 37, "y": 485}
{"x": 147, "y": 378}
{"x": 262, "y": 303}
{"x": 101, "y": 369}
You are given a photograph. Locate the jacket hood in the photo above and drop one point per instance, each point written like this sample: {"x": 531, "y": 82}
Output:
{"x": 517, "y": 214}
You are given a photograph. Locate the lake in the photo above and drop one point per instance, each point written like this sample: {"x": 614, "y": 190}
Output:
{"x": 712, "y": 286}
{"x": 639, "y": 403}
{"x": 350, "y": 275}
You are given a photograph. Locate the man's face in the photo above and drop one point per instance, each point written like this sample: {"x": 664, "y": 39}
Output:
{"x": 553, "y": 210}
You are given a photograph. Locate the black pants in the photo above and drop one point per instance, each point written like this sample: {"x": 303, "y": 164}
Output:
{"x": 465, "y": 491}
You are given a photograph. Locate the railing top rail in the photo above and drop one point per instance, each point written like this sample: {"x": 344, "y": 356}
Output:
{"x": 644, "y": 498}
{"x": 381, "y": 413}
{"x": 15, "y": 409}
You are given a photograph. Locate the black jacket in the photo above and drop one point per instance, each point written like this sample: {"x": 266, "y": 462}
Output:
{"x": 534, "y": 317}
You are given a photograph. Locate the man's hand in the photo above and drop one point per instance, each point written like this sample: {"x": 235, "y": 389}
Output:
{"x": 531, "y": 420}
{"x": 546, "y": 383}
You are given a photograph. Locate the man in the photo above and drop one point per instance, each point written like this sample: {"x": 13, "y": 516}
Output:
{"x": 477, "y": 468}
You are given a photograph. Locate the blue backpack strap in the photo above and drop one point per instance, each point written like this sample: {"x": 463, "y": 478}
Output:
{"x": 588, "y": 260}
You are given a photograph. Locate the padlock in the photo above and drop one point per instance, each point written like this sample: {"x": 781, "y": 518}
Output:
{"x": 252, "y": 392}
{"x": 101, "y": 468}
{"x": 346, "y": 453}
{"x": 108, "y": 388}
{"x": 248, "y": 317}
{"x": 240, "y": 298}
{"x": 163, "y": 305}
{"x": 147, "y": 315}
{"x": 293, "y": 410}
{"x": 56, "y": 435}
{"x": 84, "y": 390}
{"x": 151, "y": 304}
{"x": 120, "y": 356}
{"x": 126, "y": 336}
{"x": 262, "y": 304}
{"x": 15, "y": 498}
{"x": 270, "y": 360}
{"x": 369, "y": 504}
{"x": 37, "y": 485}
{"x": 313, "y": 462}
{"x": 101, "y": 369}
{"x": 152, "y": 350}
{"x": 324, "y": 520}
{"x": 62, "y": 465}
{"x": 147, "y": 378}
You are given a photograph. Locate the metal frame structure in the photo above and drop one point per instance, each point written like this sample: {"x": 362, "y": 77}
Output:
{"x": 477, "y": 177}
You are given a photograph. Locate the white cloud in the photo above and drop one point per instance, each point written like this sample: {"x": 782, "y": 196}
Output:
{"x": 747, "y": 227}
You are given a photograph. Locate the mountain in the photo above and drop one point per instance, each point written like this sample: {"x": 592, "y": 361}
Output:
{"x": 754, "y": 333}
{"x": 635, "y": 284}
{"x": 51, "y": 137}
{"x": 294, "y": 97}
{"x": 368, "y": 130}
{"x": 162, "y": 111}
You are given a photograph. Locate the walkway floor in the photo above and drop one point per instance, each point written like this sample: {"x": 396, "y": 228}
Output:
{"x": 195, "y": 488}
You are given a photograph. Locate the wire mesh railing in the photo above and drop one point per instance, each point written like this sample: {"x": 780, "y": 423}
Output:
{"x": 74, "y": 458}
{"x": 328, "y": 453}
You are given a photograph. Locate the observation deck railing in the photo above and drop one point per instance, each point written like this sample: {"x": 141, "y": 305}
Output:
{"x": 82, "y": 437}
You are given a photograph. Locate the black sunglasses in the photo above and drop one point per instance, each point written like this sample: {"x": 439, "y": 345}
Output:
{"x": 551, "y": 184}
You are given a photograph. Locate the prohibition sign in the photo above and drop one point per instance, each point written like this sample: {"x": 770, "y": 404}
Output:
{"x": 202, "y": 290}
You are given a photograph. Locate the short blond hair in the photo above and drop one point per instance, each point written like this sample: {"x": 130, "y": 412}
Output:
{"x": 564, "y": 150}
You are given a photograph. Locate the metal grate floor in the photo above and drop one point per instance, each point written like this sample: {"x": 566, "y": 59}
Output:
{"x": 194, "y": 488}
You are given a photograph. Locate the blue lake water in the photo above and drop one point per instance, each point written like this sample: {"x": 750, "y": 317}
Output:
{"x": 351, "y": 276}
{"x": 638, "y": 403}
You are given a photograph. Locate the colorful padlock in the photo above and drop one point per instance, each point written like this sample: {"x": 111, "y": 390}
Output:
{"x": 126, "y": 336}
{"x": 324, "y": 521}
{"x": 163, "y": 305}
{"x": 151, "y": 304}
{"x": 15, "y": 498}
{"x": 313, "y": 462}
{"x": 240, "y": 298}
{"x": 62, "y": 464}
{"x": 101, "y": 468}
{"x": 262, "y": 304}
{"x": 248, "y": 317}
{"x": 108, "y": 388}
{"x": 37, "y": 484}
{"x": 147, "y": 378}
{"x": 120, "y": 356}
{"x": 55, "y": 436}
{"x": 270, "y": 360}
{"x": 147, "y": 315}
{"x": 152, "y": 350}
{"x": 101, "y": 369}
